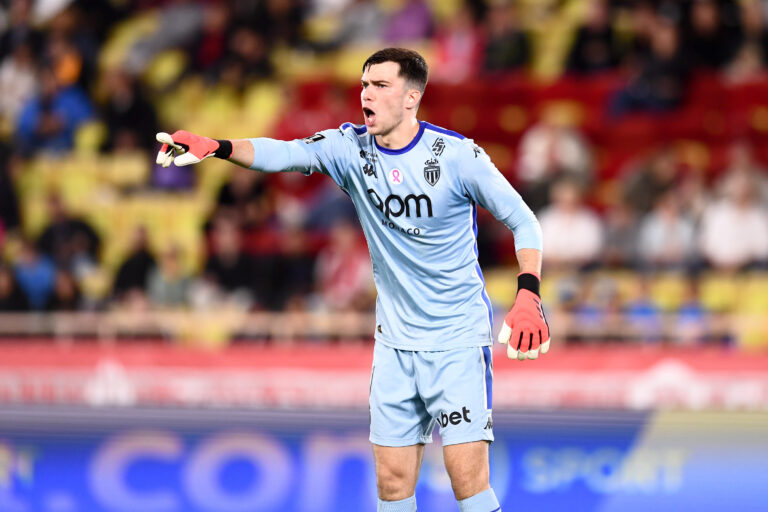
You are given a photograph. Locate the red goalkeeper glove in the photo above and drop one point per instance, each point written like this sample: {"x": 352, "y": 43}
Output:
{"x": 525, "y": 329}
{"x": 184, "y": 148}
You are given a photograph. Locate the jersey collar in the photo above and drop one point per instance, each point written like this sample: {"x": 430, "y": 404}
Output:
{"x": 407, "y": 148}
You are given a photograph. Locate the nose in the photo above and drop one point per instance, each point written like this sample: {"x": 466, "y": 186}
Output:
{"x": 366, "y": 94}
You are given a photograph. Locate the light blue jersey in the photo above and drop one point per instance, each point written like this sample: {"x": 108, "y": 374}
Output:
{"x": 418, "y": 208}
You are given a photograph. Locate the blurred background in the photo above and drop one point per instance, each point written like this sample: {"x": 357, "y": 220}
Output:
{"x": 200, "y": 339}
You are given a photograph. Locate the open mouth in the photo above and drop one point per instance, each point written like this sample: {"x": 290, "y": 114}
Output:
{"x": 370, "y": 116}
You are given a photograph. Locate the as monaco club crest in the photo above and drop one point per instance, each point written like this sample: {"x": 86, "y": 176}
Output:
{"x": 432, "y": 171}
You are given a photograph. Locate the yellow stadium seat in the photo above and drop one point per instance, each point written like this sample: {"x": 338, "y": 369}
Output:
{"x": 165, "y": 68}
{"x": 444, "y": 10}
{"x": 96, "y": 285}
{"x": 124, "y": 35}
{"x": 668, "y": 291}
{"x": 754, "y": 294}
{"x": 719, "y": 292}
{"x": 89, "y": 137}
{"x": 126, "y": 169}
{"x": 266, "y": 98}
{"x": 501, "y": 285}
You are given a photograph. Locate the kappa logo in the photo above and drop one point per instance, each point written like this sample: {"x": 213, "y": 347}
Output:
{"x": 314, "y": 138}
{"x": 489, "y": 424}
{"x": 369, "y": 170}
{"x": 477, "y": 150}
{"x": 438, "y": 146}
{"x": 432, "y": 171}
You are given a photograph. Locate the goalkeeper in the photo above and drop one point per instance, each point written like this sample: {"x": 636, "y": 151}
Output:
{"x": 416, "y": 188}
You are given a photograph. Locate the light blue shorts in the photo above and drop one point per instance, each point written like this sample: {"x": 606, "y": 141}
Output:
{"x": 411, "y": 391}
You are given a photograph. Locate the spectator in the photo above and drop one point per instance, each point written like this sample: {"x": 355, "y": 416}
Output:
{"x": 659, "y": 82}
{"x": 741, "y": 158}
{"x": 12, "y": 298}
{"x": 70, "y": 242}
{"x": 134, "y": 270}
{"x": 210, "y": 47}
{"x": 178, "y": 24}
{"x": 654, "y": 176}
{"x": 168, "y": 283}
{"x": 72, "y": 47}
{"x": 293, "y": 272}
{"x": 595, "y": 48}
{"x": 245, "y": 197}
{"x": 734, "y": 230}
{"x": 457, "y": 48}
{"x": 343, "y": 271}
{"x": 506, "y": 46}
{"x": 643, "y": 316}
{"x": 228, "y": 269}
{"x": 709, "y": 43}
{"x": 667, "y": 237}
{"x": 360, "y": 23}
{"x": 66, "y": 294}
{"x": 573, "y": 234}
{"x": 691, "y": 320}
{"x": 65, "y": 61}
{"x": 550, "y": 149}
{"x": 128, "y": 115}
{"x": 280, "y": 21}
{"x": 751, "y": 54}
{"x": 621, "y": 227}
{"x": 18, "y": 81}
{"x": 693, "y": 195}
{"x": 49, "y": 120}
{"x": 411, "y": 22}
{"x": 35, "y": 274}
{"x": 643, "y": 19}
{"x": 9, "y": 205}
{"x": 246, "y": 60}
{"x": 19, "y": 28}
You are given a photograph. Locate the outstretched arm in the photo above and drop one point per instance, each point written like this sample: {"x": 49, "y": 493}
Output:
{"x": 318, "y": 153}
{"x": 185, "y": 148}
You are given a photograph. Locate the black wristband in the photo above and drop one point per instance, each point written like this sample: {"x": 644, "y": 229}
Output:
{"x": 528, "y": 282}
{"x": 225, "y": 149}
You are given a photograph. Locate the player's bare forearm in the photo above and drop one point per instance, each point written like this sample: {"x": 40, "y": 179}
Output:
{"x": 529, "y": 261}
{"x": 242, "y": 152}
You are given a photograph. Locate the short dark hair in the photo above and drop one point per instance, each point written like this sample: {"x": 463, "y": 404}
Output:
{"x": 413, "y": 67}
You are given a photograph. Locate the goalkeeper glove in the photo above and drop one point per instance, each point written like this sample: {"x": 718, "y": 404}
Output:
{"x": 190, "y": 148}
{"x": 525, "y": 329}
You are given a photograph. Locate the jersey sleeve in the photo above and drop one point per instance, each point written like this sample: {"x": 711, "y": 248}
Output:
{"x": 324, "y": 152}
{"x": 485, "y": 185}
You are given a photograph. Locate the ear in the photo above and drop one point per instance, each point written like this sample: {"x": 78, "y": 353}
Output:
{"x": 412, "y": 98}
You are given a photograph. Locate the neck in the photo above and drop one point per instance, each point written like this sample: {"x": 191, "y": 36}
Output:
{"x": 400, "y": 136}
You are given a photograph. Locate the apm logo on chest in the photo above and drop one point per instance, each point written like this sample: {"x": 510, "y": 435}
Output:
{"x": 395, "y": 205}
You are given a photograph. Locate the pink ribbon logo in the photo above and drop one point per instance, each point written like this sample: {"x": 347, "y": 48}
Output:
{"x": 395, "y": 176}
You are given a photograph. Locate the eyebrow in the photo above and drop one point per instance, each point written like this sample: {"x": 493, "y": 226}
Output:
{"x": 375, "y": 82}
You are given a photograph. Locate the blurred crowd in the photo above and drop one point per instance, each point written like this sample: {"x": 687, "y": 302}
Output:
{"x": 83, "y": 76}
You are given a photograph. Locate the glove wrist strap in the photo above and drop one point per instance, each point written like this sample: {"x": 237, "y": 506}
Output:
{"x": 225, "y": 149}
{"x": 528, "y": 282}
